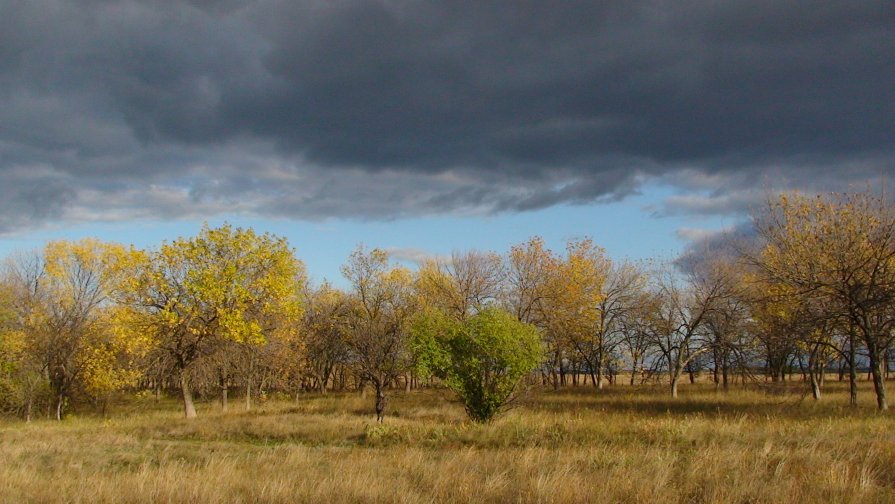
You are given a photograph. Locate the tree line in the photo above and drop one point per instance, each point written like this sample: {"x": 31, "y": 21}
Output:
{"x": 811, "y": 290}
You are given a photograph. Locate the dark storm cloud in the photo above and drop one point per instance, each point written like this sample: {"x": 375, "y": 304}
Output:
{"x": 311, "y": 109}
{"x": 526, "y": 85}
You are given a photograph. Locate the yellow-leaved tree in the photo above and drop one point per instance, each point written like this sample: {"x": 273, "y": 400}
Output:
{"x": 65, "y": 299}
{"x": 22, "y": 382}
{"x": 324, "y": 326}
{"x": 530, "y": 270}
{"x": 590, "y": 298}
{"x": 226, "y": 284}
{"x": 838, "y": 250}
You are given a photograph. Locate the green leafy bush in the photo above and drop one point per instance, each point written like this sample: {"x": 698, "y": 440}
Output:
{"x": 482, "y": 359}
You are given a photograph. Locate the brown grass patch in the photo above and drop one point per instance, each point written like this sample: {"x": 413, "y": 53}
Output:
{"x": 623, "y": 444}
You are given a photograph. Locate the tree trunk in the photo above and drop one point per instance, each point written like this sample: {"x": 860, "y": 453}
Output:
{"x": 672, "y": 370}
{"x": 815, "y": 385}
{"x": 554, "y": 376}
{"x": 324, "y": 383}
{"x": 879, "y": 383}
{"x": 250, "y": 376}
{"x": 224, "y": 390}
{"x": 189, "y": 409}
{"x": 674, "y": 381}
{"x": 852, "y": 372}
{"x": 380, "y": 402}
{"x": 813, "y": 367}
{"x": 60, "y": 401}
{"x": 248, "y": 397}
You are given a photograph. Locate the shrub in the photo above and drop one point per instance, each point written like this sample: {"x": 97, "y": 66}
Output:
{"x": 482, "y": 359}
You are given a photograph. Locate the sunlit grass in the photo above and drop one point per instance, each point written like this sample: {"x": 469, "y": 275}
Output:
{"x": 622, "y": 444}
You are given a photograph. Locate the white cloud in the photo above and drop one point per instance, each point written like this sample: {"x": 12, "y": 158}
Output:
{"x": 416, "y": 256}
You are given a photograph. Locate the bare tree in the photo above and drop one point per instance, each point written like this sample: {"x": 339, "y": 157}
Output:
{"x": 637, "y": 332}
{"x": 465, "y": 284}
{"x": 378, "y": 334}
{"x": 679, "y": 326}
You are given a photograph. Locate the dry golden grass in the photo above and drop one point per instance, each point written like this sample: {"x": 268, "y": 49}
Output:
{"x": 576, "y": 445}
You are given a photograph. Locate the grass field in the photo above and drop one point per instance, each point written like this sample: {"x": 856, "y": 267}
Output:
{"x": 624, "y": 444}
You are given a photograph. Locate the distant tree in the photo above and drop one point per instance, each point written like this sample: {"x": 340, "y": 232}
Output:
{"x": 530, "y": 295}
{"x": 530, "y": 268}
{"x": 324, "y": 328}
{"x": 482, "y": 358}
{"x": 381, "y": 303}
{"x": 795, "y": 328}
{"x": 23, "y": 383}
{"x": 638, "y": 332}
{"x": 462, "y": 286}
{"x": 66, "y": 315}
{"x": 112, "y": 356}
{"x": 771, "y": 320}
{"x": 570, "y": 308}
{"x": 726, "y": 323}
{"x": 589, "y": 301}
{"x": 22, "y": 379}
{"x": 679, "y": 324}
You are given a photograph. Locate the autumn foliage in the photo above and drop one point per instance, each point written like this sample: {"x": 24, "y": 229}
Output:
{"x": 810, "y": 295}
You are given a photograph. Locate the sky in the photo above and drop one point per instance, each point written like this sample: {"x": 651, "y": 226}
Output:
{"x": 423, "y": 127}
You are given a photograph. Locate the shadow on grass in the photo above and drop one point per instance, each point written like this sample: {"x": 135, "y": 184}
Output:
{"x": 792, "y": 399}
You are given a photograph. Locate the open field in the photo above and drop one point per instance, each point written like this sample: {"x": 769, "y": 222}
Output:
{"x": 624, "y": 444}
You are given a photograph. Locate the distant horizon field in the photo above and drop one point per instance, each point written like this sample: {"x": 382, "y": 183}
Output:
{"x": 576, "y": 444}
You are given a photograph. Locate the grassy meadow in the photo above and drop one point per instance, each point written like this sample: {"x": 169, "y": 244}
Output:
{"x": 623, "y": 444}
